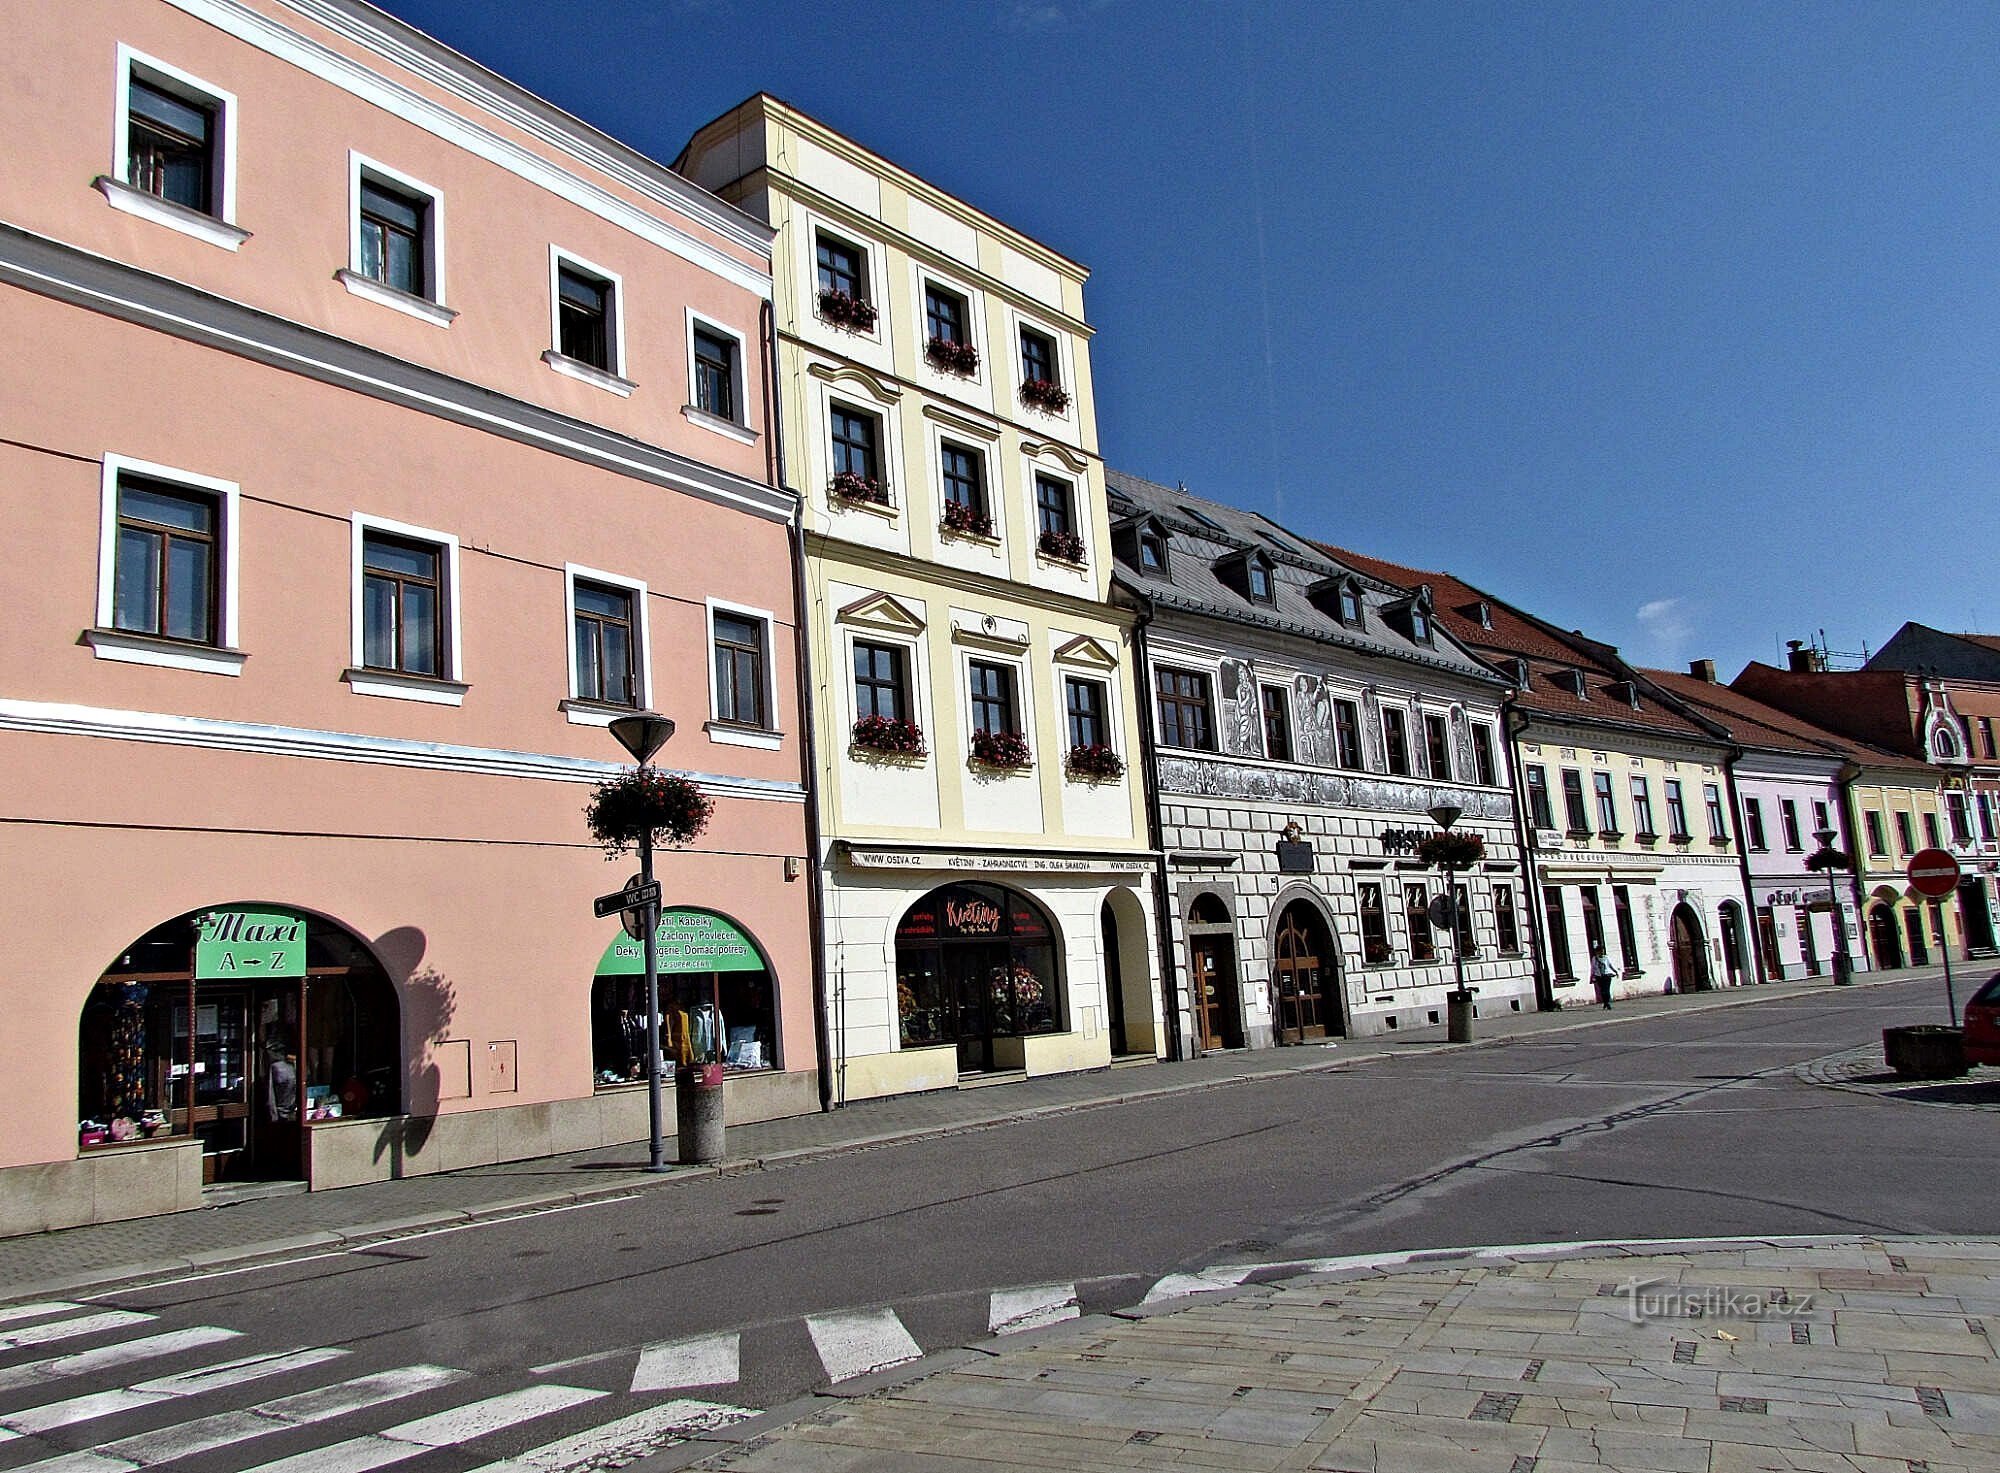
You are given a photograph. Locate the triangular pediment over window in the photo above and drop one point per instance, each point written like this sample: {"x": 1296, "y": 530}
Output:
{"x": 882, "y": 611}
{"x": 1083, "y": 650}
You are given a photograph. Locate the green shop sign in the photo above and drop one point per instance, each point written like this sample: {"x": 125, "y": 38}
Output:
{"x": 250, "y": 943}
{"x": 686, "y": 941}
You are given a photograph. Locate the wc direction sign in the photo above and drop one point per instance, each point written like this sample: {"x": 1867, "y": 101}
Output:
{"x": 635, "y": 896}
{"x": 1933, "y": 874}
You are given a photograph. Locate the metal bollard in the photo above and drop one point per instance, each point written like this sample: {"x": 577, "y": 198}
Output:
{"x": 698, "y": 1113}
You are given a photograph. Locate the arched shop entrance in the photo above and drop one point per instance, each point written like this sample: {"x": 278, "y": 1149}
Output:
{"x": 1733, "y": 959}
{"x": 1218, "y": 1013}
{"x": 717, "y": 1002}
{"x": 1690, "y": 953}
{"x": 235, "y": 1026}
{"x": 1882, "y": 931}
{"x": 974, "y": 964}
{"x": 1305, "y": 975}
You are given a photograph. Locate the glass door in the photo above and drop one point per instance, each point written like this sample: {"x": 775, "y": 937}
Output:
{"x": 217, "y": 1052}
{"x": 970, "y": 974}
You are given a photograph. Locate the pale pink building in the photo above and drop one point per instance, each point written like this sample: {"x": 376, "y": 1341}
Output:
{"x": 374, "y": 432}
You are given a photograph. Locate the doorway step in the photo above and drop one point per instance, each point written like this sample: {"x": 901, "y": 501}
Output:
{"x": 229, "y": 1193}
{"x": 1132, "y": 1061}
{"x": 980, "y": 1079}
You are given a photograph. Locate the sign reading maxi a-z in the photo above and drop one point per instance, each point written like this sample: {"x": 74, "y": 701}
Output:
{"x": 250, "y": 943}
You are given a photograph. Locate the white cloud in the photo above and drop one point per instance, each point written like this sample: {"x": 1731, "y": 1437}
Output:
{"x": 1047, "y": 15}
{"x": 1666, "y": 628}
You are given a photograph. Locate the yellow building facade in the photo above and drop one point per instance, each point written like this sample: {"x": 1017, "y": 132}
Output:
{"x": 988, "y": 890}
{"x": 1895, "y": 810}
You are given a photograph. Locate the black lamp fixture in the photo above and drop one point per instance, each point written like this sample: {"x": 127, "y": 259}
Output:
{"x": 642, "y": 735}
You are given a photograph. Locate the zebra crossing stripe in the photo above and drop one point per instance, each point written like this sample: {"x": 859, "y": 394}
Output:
{"x": 47, "y": 1417}
{"x": 624, "y": 1441}
{"x": 851, "y": 1345}
{"x": 673, "y": 1365}
{"x": 107, "y": 1357}
{"x": 83, "y": 1324}
{"x": 1031, "y": 1308}
{"x": 444, "y": 1429}
{"x": 15, "y": 1312}
{"x": 1179, "y": 1286}
{"x": 226, "y": 1429}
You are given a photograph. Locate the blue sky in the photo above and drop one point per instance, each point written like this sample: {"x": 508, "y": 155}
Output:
{"x": 1679, "y": 324}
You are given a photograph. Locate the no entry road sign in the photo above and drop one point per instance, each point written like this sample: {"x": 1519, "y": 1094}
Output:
{"x": 1933, "y": 873}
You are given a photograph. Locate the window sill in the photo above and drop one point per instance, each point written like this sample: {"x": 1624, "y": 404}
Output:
{"x": 583, "y": 712}
{"x": 731, "y": 735}
{"x": 1680, "y": 838}
{"x": 957, "y": 534}
{"x": 1610, "y": 834}
{"x": 716, "y": 424}
{"x": 123, "y": 197}
{"x": 1647, "y": 838}
{"x": 167, "y": 654}
{"x": 1578, "y": 833}
{"x": 887, "y": 511}
{"x": 1063, "y": 563}
{"x": 588, "y": 373}
{"x": 396, "y": 686}
{"x": 368, "y": 288}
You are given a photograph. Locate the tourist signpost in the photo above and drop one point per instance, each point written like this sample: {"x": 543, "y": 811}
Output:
{"x": 1934, "y": 875}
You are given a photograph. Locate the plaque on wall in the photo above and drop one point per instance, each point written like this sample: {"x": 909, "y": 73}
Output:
{"x": 1295, "y": 857}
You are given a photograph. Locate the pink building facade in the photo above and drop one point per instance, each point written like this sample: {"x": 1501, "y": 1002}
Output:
{"x": 374, "y": 434}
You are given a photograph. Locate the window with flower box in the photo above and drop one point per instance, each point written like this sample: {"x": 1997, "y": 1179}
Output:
{"x": 1041, "y": 378}
{"x": 947, "y": 325}
{"x": 884, "y": 716}
{"x": 1084, "y": 702}
{"x": 991, "y": 688}
{"x": 962, "y": 473}
{"x": 843, "y": 283}
{"x": 1186, "y": 711}
{"x": 1055, "y": 519}
{"x": 857, "y": 456}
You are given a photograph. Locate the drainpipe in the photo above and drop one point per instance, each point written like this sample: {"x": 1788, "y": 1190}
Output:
{"x": 808, "y": 729}
{"x": 1764, "y": 964}
{"x": 1170, "y": 987}
{"x": 1531, "y": 882}
{"x": 1850, "y": 817}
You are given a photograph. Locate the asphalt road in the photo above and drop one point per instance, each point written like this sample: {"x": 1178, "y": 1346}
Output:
{"x": 1690, "y": 1125}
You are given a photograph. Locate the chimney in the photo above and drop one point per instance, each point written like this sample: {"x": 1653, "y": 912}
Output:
{"x": 1801, "y": 657}
{"x": 1702, "y": 670}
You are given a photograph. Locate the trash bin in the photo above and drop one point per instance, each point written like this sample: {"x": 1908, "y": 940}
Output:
{"x": 698, "y": 1113}
{"x": 1843, "y": 969}
{"x": 1458, "y": 1016}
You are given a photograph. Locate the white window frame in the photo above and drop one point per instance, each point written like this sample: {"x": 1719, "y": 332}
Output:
{"x": 975, "y": 328}
{"x": 429, "y": 306}
{"x": 1103, "y": 682}
{"x": 1024, "y": 704}
{"x": 583, "y": 710}
{"x": 871, "y": 263}
{"x": 448, "y": 687}
{"x": 912, "y": 648}
{"x": 219, "y": 229}
{"x": 611, "y": 380}
{"x": 108, "y": 643}
{"x": 1065, "y": 358}
{"x": 1209, "y": 666}
{"x": 735, "y": 429}
{"x": 728, "y": 733}
{"x": 888, "y": 450}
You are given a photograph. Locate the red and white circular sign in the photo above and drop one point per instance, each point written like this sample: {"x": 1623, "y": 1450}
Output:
{"x": 1934, "y": 873}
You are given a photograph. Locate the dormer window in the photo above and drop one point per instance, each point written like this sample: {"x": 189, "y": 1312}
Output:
{"x": 1350, "y": 604}
{"x": 1420, "y": 624}
{"x": 1519, "y": 668}
{"x": 1152, "y": 549}
{"x": 1258, "y": 580}
{"x": 1943, "y": 743}
{"x": 1483, "y": 612}
{"x": 1626, "y": 691}
{"x": 1573, "y": 681}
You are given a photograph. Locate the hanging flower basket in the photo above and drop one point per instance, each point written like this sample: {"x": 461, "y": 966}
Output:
{"x": 1827, "y": 859}
{"x": 1095, "y": 762}
{"x": 1446, "y": 850}
{"x": 959, "y": 358}
{"x": 1003, "y": 749}
{"x": 850, "y": 486}
{"x": 967, "y": 521}
{"x": 1063, "y": 547}
{"x": 852, "y": 313}
{"x": 1045, "y": 394}
{"x": 666, "y": 804}
{"x": 889, "y": 736}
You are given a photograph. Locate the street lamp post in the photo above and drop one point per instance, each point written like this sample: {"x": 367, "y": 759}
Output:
{"x": 642, "y": 736}
{"x": 1458, "y": 1007}
{"x": 1843, "y": 964}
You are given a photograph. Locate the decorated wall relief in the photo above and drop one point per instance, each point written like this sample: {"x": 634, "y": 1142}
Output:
{"x": 1207, "y": 778}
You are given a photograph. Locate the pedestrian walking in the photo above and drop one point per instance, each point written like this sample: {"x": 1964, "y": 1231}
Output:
{"x": 1601, "y": 973}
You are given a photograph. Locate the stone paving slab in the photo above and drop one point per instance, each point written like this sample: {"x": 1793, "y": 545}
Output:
{"x": 1891, "y": 1378}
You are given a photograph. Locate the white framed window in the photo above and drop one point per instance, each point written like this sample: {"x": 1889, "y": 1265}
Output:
{"x": 173, "y": 157}
{"x": 395, "y": 241}
{"x": 587, "y": 323}
{"x": 952, "y": 327}
{"x": 718, "y": 378}
{"x": 610, "y": 645}
{"x": 844, "y": 276}
{"x": 404, "y": 613}
{"x": 168, "y": 557}
{"x": 742, "y": 685}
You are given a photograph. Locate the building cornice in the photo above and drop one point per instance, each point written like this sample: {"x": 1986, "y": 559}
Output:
{"x": 65, "y": 273}
{"x": 437, "y": 64}
{"x": 832, "y": 554}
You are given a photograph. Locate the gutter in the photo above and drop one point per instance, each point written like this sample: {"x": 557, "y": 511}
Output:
{"x": 1531, "y": 901}
{"x": 808, "y": 727}
{"x": 1162, "y": 913}
{"x": 1766, "y": 966}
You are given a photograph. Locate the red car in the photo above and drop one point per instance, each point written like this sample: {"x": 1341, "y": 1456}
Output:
{"x": 1982, "y": 1024}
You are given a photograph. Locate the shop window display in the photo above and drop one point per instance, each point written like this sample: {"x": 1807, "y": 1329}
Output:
{"x": 975, "y": 963}
{"x": 716, "y": 1000}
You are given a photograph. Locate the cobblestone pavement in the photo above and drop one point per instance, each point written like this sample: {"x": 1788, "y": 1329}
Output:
{"x": 1862, "y": 1071}
{"x": 1830, "y": 1356}
{"x": 244, "y": 1231}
